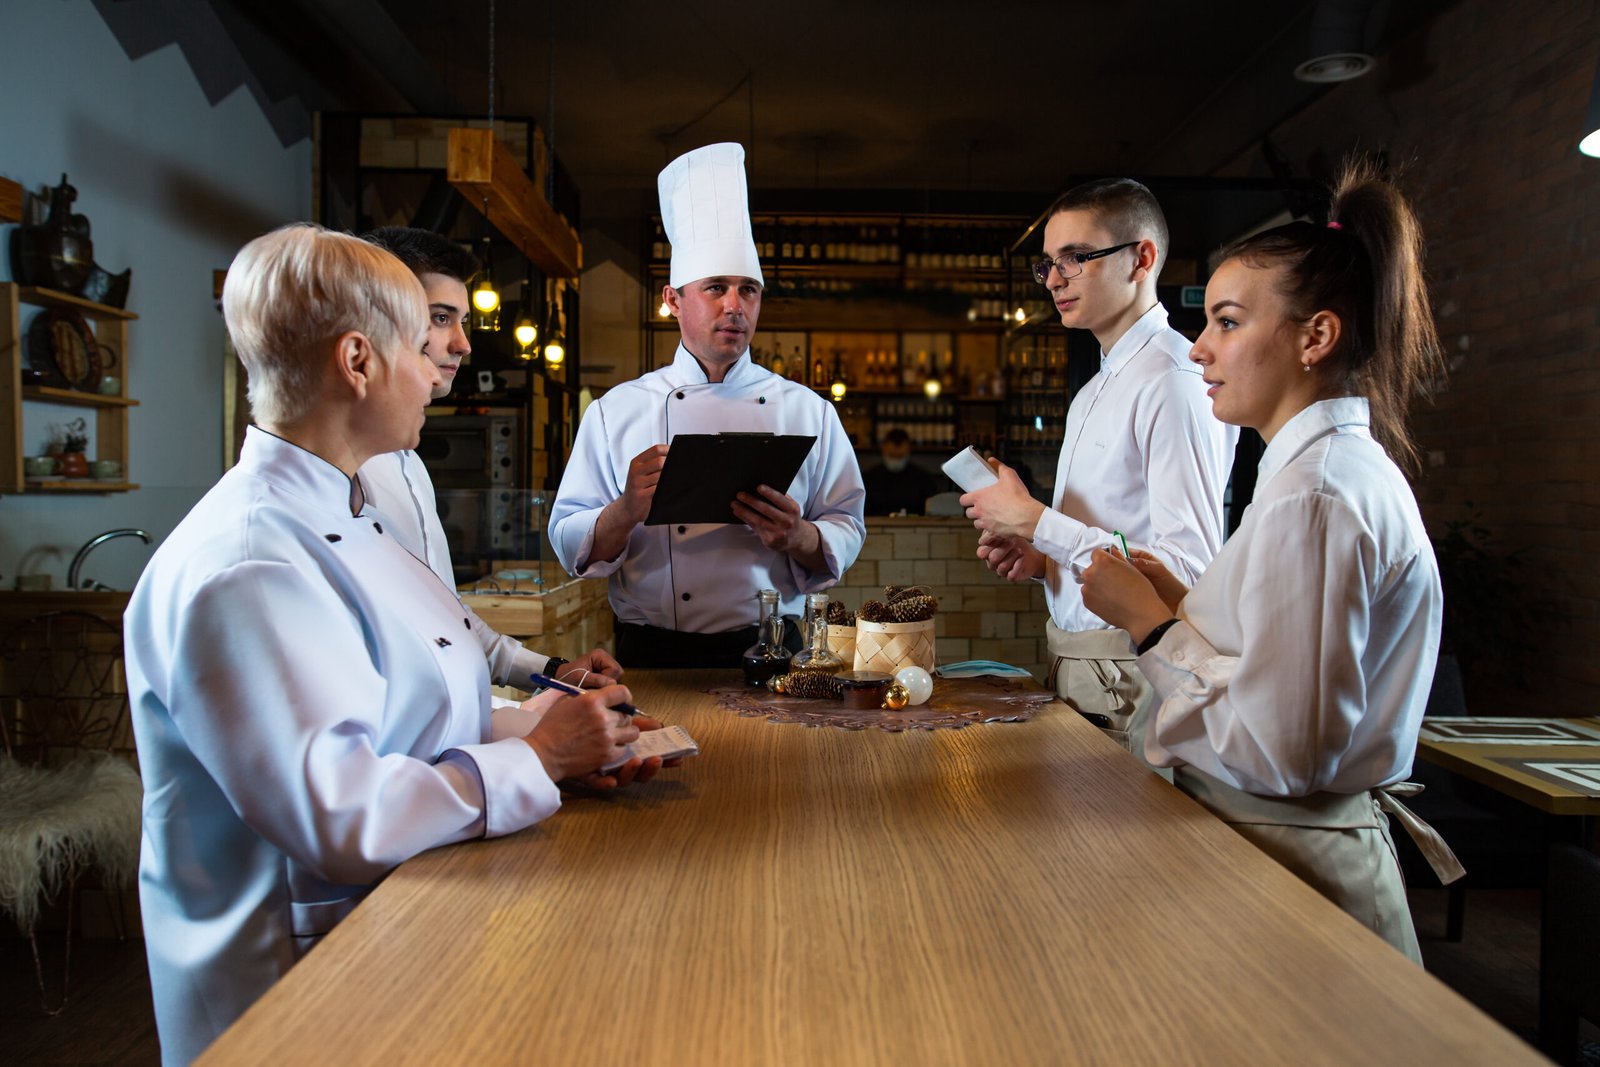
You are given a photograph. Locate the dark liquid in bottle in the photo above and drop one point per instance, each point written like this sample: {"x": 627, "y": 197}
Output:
{"x": 757, "y": 669}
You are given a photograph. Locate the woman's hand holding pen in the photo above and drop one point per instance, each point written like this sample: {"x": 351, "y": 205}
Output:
{"x": 1117, "y": 592}
{"x": 1167, "y": 587}
{"x": 581, "y": 733}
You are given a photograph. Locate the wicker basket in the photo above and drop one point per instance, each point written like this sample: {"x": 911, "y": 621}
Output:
{"x": 842, "y": 641}
{"x": 888, "y": 646}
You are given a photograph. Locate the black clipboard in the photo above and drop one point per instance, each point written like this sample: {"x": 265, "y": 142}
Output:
{"x": 705, "y": 471}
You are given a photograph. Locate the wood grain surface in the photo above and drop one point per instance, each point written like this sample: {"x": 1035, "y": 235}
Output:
{"x": 1006, "y": 893}
{"x": 1478, "y": 760}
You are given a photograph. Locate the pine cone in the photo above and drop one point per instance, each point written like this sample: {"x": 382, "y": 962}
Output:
{"x": 874, "y": 611}
{"x": 892, "y": 593}
{"x": 838, "y": 615}
{"x": 914, "y": 608}
{"x": 812, "y": 685}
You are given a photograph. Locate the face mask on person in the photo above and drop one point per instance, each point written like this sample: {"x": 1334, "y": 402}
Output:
{"x": 895, "y": 464}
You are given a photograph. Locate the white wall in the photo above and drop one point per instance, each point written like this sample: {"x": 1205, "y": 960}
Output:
{"x": 172, "y": 187}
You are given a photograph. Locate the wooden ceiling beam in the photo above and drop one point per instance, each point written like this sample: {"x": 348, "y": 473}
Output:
{"x": 10, "y": 201}
{"x": 484, "y": 172}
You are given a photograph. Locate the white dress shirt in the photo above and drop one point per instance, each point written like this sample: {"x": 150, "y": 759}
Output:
{"x": 1142, "y": 455}
{"x": 310, "y": 710}
{"x": 704, "y": 578}
{"x": 397, "y": 486}
{"x": 1305, "y": 652}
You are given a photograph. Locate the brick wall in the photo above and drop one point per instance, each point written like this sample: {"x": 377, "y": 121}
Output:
{"x": 1487, "y": 104}
{"x": 980, "y": 616}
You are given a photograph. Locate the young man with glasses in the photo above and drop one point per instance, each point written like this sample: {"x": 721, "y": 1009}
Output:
{"x": 1142, "y": 455}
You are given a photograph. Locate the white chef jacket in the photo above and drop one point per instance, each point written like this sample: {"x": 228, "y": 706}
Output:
{"x": 703, "y": 578}
{"x": 310, "y": 710}
{"x": 397, "y": 486}
{"x": 1305, "y": 652}
{"x": 1142, "y": 455}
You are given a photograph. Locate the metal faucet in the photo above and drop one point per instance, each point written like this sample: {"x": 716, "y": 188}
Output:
{"x": 93, "y": 543}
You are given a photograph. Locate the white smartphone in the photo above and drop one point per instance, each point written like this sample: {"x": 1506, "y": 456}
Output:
{"x": 968, "y": 470}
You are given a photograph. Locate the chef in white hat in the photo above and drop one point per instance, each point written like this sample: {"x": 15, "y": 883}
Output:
{"x": 684, "y": 595}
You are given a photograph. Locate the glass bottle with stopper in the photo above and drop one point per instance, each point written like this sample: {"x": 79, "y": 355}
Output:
{"x": 767, "y": 657}
{"x": 816, "y": 656}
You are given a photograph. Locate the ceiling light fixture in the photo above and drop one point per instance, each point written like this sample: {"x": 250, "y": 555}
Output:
{"x": 1341, "y": 34}
{"x": 1590, "y": 145}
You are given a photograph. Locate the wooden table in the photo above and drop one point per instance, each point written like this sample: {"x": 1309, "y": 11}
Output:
{"x": 1487, "y": 763}
{"x": 1008, "y": 893}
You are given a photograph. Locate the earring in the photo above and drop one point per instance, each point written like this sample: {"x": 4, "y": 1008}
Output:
{"x": 1306, "y": 366}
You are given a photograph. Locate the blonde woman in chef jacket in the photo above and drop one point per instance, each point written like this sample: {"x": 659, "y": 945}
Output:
{"x": 309, "y": 702}
{"x": 1291, "y": 679}
{"x": 684, "y": 596}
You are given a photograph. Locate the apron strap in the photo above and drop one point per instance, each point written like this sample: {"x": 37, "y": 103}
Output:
{"x": 1438, "y": 853}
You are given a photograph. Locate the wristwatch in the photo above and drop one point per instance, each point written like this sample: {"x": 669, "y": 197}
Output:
{"x": 552, "y": 667}
{"x": 1154, "y": 636}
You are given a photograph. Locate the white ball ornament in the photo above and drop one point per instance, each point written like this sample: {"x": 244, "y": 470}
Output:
{"x": 918, "y": 682}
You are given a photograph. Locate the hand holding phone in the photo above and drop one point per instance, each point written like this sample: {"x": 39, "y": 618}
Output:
{"x": 969, "y": 470}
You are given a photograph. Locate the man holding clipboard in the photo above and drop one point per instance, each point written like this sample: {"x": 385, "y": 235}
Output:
{"x": 684, "y": 591}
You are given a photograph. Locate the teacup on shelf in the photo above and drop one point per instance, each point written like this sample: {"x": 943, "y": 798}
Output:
{"x": 39, "y": 466}
{"x": 105, "y": 470}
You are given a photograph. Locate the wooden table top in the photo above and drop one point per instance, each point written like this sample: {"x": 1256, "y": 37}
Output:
{"x": 1005, "y": 893}
{"x": 1485, "y": 762}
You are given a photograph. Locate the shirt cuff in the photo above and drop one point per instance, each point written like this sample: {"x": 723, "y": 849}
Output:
{"x": 591, "y": 569}
{"x": 516, "y": 790}
{"x": 1175, "y": 658}
{"x": 1057, "y": 536}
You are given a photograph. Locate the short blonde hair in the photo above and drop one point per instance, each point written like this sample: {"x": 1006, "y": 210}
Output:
{"x": 291, "y": 292}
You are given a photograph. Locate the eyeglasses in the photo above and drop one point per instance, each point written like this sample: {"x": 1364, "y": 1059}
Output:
{"x": 1070, "y": 264}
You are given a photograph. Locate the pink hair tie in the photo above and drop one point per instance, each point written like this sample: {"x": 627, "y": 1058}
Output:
{"x": 1335, "y": 225}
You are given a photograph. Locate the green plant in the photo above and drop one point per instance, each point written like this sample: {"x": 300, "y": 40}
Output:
{"x": 73, "y": 437}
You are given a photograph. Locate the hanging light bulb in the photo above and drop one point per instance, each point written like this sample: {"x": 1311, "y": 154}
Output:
{"x": 931, "y": 388}
{"x": 1020, "y": 315}
{"x": 554, "y": 351}
{"x": 526, "y": 333}
{"x": 485, "y": 297}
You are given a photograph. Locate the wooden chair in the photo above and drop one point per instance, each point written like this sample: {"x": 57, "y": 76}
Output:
{"x": 69, "y": 805}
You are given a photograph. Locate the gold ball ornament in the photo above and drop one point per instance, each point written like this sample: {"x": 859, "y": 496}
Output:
{"x": 896, "y": 697}
{"x": 776, "y": 684}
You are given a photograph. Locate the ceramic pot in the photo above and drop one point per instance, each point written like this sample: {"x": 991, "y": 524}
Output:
{"x": 73, "y": 465}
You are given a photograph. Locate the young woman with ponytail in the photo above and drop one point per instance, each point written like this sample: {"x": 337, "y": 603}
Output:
{"x": 1291, "y": 679}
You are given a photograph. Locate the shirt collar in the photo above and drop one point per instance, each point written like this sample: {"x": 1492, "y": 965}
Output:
{"x": 1311, "y": 424}
{"x": 1138, "y": 335}
{"x": 686, "y": 370}
{"x": 296, "y": 471}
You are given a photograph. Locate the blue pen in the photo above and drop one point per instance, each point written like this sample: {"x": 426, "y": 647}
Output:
{"x": 544, "y": 682}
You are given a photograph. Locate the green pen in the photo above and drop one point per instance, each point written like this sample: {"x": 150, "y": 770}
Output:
{"x": 1118, "y": 535}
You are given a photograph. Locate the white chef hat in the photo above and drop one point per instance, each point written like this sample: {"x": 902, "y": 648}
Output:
{"x": 705, "y": 208}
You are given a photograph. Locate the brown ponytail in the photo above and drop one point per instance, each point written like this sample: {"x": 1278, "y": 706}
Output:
{"x": 1366, "y": 267}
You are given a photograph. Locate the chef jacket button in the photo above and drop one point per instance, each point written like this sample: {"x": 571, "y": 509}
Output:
{"x": 683, "y": 529}
{"x": 761, "y": 400}
{"x": 335, "y": 538}
{"x": 686, "y": 596}
{"x": 1177, "y": 657}
{"x": 378, "y": 526}
{"x": 680, "y": 396}
{"x": 467, "y": 623}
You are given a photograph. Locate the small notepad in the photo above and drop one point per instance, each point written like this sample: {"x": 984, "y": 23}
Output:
{"x": 669, "y": 742}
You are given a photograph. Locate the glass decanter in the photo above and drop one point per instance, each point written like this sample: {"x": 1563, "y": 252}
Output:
{"x": 767, "y": 658}
{"x": 816, "y": 655}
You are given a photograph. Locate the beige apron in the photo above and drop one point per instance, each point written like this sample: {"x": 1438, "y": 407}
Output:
{"x": 1096, "y": 671}
{"x": 1339, "y": 844}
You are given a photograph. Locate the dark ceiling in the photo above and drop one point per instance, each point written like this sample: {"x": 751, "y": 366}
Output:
{"x": 1005, "y": 96}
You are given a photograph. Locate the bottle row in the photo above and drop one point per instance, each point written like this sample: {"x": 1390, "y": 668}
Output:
{"x": 920, "y": 245}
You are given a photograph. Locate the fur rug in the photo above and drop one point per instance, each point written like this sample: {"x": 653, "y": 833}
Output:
{"x": 56, "y": 823}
